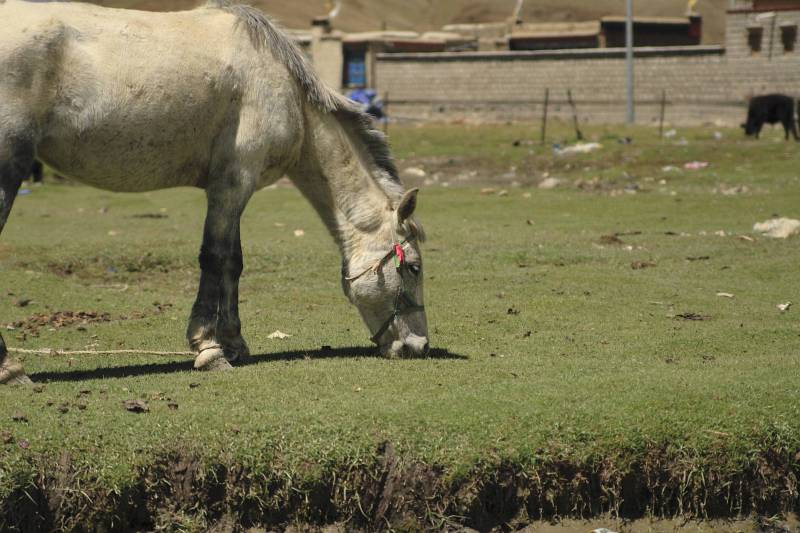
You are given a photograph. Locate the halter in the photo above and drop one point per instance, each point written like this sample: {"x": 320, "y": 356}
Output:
{"x": 404, "y": 303}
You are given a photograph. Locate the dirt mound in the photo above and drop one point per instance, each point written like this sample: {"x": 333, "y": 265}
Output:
{"x": 390, "y": 491}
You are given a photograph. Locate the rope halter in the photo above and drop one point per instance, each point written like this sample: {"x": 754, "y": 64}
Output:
{"x": 404, "y": 302}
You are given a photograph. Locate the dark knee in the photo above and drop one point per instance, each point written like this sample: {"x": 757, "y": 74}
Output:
{"x": 211, "y": 262}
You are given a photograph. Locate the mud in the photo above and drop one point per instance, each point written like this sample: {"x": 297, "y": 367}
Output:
{"x": 62, "y": 319}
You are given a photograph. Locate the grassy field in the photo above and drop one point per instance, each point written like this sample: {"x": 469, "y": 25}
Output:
{"x": 584, "y": 362}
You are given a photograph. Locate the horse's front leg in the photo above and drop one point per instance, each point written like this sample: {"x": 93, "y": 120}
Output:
{"x": 226, "y": 203}
{"x": 229, "y": 327}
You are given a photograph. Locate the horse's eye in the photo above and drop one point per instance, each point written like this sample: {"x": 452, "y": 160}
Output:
{"x": 415, "y": 269}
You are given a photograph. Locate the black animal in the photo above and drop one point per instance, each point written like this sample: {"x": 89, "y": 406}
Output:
{"x": 771, "y": 109}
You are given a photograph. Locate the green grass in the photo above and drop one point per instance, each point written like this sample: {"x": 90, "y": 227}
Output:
{"x": 550, "y": 348}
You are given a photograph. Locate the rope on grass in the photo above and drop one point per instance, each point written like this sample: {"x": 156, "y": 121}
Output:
{"x": 61, "y": 353}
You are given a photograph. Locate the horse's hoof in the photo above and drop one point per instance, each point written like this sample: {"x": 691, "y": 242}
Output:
{"x": 212, "y": 359}
{"x": 12, "y": 373}
{"x": 236, "y": 351}
{"x": 216, "y": 365}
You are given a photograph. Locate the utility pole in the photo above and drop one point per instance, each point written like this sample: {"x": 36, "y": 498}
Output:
{"x": 631, "y": 111}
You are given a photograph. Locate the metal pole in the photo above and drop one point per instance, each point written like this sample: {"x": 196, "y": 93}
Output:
{"x": 631, "y": 111}
{"x": 386, "y": 113}
{"x": 772, "y": 36}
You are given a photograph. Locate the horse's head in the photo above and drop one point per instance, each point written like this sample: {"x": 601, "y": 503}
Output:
{"x": 383, "y": 279}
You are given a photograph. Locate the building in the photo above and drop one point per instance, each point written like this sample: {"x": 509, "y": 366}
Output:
{"x": 608, "y": 32}
{"x": 348, "y": 61}
{"x": 698, "y": 83}
{"x": 500, "y": 71}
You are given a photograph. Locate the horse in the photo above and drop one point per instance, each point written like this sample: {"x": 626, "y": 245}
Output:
{"x": 216, "y": 98}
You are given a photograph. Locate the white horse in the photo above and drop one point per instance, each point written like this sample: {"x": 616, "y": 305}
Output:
{"x": 217, "y": 98}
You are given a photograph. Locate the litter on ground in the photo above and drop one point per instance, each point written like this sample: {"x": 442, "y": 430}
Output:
{"x": 580, "y": 148}
{"x": 778, "y": 228}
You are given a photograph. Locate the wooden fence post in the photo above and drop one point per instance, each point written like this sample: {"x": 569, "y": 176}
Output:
{"x": 663, "y": 112}
{"x": 578, "y": 132}
{"x": 544, "y": 115}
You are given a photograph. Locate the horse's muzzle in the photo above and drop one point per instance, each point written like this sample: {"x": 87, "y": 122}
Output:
{"x": 412, "y": 346}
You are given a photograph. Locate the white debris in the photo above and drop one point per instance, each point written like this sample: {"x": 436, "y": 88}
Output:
{"x": 278, "y": 335}
{"x": 299, "y": 233}
{"x": 778, "y": 228}
{"x": 725, "y": 295}
{"x": 550, "y": 183}
{"x": 580, "y": 148}
{"x": 670, "y": 168}
{"x": 733, "y": 191}
{"x": 784, "y": 307}
{"x": 670, "y": 134}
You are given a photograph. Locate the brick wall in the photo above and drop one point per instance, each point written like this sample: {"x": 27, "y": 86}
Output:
{"x": 703, "y": 84}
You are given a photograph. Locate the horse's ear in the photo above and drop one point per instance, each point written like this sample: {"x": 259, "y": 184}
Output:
{"x": 407, "y": 205}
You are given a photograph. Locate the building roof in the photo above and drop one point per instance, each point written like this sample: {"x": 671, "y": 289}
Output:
{"x": 647, "y": 20}
{"x": 432, "y": 37}
{"x": 556, "y": 30}
{"x": 372, "y": 36}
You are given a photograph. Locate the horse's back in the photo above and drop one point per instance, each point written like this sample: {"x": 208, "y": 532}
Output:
{"x": 127, "y": 100}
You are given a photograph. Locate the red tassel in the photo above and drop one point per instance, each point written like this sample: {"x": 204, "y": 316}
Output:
{"x": 399, "y": 254}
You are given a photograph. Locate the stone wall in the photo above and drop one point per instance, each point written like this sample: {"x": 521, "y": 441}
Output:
{"x": 703, "y": 84}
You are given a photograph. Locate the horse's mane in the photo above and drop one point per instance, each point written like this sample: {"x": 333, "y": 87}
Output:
{"x": 266, "y": 33}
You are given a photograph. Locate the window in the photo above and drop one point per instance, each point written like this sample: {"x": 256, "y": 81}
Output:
{"x": 789, "y": 37}
{"x": 754, "y": 37}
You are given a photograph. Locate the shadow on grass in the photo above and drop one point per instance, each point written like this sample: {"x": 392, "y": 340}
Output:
{"x": 117, "y": 372}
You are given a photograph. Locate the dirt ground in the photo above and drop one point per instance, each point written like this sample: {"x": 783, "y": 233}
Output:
{"x": 644, "y": 525}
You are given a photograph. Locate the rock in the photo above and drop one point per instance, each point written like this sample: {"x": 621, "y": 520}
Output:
{"x": 778, "y": 228}
{"x": 550, "y": 183}
{"x": 136, "y": 406}
{"x": 414, "y": 172}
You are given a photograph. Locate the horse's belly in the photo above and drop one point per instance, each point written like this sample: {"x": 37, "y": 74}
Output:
{"x": 125, "y": 142}
{"x": 127, "y": 165}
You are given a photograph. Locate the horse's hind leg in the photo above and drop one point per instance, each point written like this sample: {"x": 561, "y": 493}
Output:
{"x": 16, "y": 158}
{"x": 210, "y": 326}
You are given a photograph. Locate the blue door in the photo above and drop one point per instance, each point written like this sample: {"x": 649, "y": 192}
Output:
{"x": 355, "y": 68}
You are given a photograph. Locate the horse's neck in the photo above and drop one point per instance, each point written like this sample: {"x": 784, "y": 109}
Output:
{"x": 334, "y": 177}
